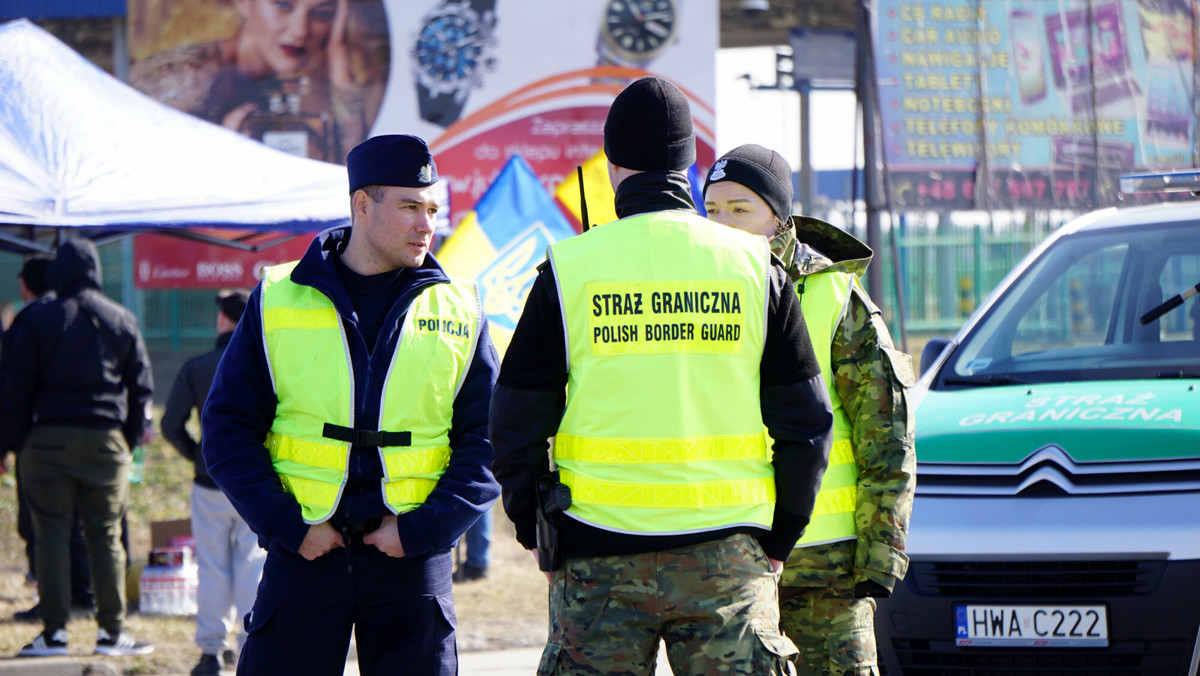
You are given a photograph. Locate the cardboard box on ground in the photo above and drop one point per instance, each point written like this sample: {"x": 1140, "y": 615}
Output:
{"x": 163, "y": 532}
{"x": 166, "y": 583}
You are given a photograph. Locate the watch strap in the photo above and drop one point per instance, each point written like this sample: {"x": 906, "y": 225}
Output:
{"x": 441, "y": 109}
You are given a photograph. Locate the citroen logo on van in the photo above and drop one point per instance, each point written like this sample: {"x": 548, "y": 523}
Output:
{"x": 1047, "y": 465}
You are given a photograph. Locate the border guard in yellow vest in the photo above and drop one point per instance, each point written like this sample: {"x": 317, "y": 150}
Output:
{"x": 853, "y": 549}
{"x": 653, "y": 349}
{"x": 347, "y": 423}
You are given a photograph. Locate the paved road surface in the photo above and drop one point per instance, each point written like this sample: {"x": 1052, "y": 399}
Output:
{"x": 517, "y": 662}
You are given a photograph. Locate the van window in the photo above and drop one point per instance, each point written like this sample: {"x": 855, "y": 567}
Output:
{"x": 1074, "y": 313}
{"x": 1182, "y": 271}
{"x": 1075, "y": 310}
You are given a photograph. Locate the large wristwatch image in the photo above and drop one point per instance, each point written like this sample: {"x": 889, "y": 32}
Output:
{"x": 634, "y": 32}
{"x": 452, "y": 51}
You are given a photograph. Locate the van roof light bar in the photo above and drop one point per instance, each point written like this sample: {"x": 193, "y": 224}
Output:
{"x": 1158, "y": 182}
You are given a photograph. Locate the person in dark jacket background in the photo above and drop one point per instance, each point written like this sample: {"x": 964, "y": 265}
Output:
{"x": 347, "y": 424}
{"x": 229, "y": 559}
{"x": 35, "y": 290}
{"x": 77, "y": 391}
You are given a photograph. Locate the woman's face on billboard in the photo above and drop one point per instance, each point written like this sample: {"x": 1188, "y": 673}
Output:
{"x": 284, "y": 37}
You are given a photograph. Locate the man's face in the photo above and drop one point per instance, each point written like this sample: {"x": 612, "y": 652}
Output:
{"x": 287, "y": 36}
{"x": 737, "y": 206}
{"x": 395, "y": 232}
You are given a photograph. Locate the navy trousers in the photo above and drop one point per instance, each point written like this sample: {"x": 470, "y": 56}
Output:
{"x": 400, "y": 610}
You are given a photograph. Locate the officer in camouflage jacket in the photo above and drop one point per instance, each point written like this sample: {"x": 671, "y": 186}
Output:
{"x": 829, "y": 585}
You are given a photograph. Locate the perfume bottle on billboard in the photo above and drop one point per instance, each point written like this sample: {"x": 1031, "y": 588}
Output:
{"x": 286, "y": 125}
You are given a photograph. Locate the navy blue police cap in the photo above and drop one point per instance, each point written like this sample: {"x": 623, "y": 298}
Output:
{"x": 392, "y": 159}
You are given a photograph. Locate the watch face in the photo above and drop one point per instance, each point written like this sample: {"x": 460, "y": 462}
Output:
{"x": 452, "y": 49}
{"x": 639, "y": 28}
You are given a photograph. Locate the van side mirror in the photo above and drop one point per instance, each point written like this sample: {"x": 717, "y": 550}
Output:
{"x": 932, "y": 350}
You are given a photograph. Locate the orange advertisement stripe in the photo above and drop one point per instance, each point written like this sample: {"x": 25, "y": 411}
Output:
{"x": 522, "y": 96}
{"x": 619, "y": 72}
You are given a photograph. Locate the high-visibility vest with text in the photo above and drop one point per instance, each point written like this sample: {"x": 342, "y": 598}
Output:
{"x": 304, "y": 335}
{"x": 664, "y": 316}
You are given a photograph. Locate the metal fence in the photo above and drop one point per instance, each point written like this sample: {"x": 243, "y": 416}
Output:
{"x": 175, "y": 320}
{"x": 946, "y": 270}
{"x": 948, "y": 266}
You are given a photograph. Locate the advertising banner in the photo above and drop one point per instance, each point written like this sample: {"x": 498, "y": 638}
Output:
{"x": 166, "y": 262}
{"x": 480, "y": 80}
{"x": 1032, "y": 103}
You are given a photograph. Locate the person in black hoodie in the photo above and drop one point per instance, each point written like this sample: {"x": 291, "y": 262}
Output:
{"x": 76, "y": 391}
{"x": 227, "y": 551}
{"x": 35, "y": 290}
{"x": 655, "y": 376}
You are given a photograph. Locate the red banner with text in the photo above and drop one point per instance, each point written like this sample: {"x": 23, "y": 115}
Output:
{"x": 166, "y": 262}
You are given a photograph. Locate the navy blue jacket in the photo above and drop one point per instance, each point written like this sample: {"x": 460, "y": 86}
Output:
{"x": 241, "y": 408}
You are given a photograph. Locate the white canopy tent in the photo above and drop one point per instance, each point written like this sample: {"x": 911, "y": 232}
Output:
{"x": 82, "y": 153}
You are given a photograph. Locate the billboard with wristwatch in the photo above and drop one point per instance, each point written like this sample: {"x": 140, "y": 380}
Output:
{"x": 480, "y": 80}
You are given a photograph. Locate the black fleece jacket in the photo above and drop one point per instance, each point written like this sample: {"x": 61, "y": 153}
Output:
{"x": 77, "y": 360}
{"x": 529, "y": 399}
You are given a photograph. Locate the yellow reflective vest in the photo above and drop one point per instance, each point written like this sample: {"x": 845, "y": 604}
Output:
{"x": 664, "y": 315}
{"x": 303, "y": 333}
{"x": 824, "y": 300}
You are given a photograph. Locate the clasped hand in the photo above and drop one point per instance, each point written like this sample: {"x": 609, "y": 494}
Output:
{"x": 323, "y": 538}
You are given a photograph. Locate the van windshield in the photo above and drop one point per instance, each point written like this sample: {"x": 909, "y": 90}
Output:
{"x": 1073, "y": 314}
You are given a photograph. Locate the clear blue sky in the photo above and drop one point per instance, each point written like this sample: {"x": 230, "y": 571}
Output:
{"x": 772, "y": 118}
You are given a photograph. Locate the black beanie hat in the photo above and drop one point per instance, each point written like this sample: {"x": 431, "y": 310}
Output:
{"x": 649, "y": 128}
{"x": 392, "y": 159}
{"x": 760, "y": 169}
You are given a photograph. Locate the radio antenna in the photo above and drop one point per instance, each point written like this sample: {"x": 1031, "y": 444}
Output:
{"x": 582, "y": 199}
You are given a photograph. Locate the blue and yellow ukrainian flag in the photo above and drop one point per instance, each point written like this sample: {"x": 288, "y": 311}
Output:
{"x": 501, "y": 243}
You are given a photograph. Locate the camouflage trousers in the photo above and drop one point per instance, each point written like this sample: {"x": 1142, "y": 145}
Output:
{"x": 834, "y": 631}
{"x": 714, "y": 604}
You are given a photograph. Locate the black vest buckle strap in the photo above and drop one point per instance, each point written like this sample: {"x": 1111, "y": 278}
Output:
{"x": 359, "y": 437}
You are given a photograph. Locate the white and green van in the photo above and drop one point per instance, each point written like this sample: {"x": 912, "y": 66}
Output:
{"x": 1056, "y": 528}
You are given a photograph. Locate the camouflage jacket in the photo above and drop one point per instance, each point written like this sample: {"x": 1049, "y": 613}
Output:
{"x": 871, "y": 377}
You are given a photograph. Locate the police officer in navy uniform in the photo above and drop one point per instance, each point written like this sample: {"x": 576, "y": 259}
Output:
{"x": 347, "y": 424}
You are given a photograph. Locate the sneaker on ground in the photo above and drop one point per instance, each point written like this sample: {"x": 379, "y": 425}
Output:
{"x": 208, "y": 665}
{"x": 46, "y": 646}
{"x": 121, "y": 644}
{"x": 229, "y": 658}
